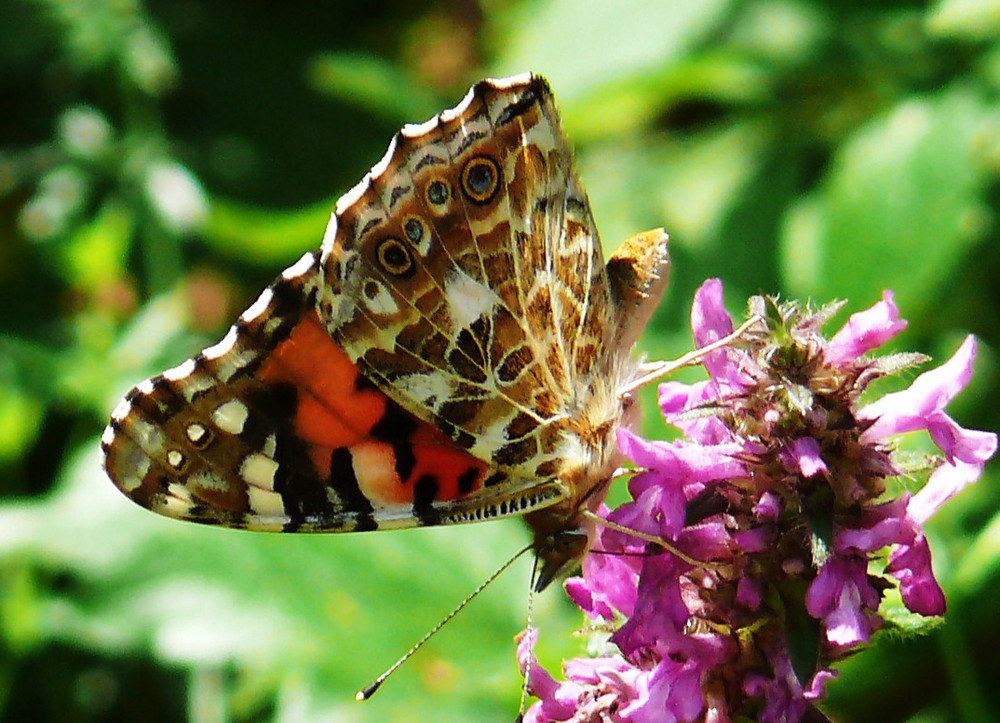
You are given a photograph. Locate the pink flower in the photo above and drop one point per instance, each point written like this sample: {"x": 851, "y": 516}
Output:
{"x": 772, "y": 510}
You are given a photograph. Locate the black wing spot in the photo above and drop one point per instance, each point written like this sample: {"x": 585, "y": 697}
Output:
{"x": 394, "y": 258}
{"x": 395, "y": 425}
{"x": 466, "y": 480}
{"x": 345, "y": 483}
{"x": 532, "y": 95}
{"x": 425, "y": 490}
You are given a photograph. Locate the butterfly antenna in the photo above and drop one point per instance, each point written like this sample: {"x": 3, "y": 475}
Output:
{"x": 369, "y": 690}
{"x": 658, "y": 370}
{"x": 527, "y": 631}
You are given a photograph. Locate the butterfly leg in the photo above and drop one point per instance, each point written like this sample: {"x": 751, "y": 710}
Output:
{"x": 653, "y": 539}
{"x": 651, "y": 372}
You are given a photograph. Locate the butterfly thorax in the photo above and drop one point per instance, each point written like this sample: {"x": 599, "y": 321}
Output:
{"x": 588, "y": 458}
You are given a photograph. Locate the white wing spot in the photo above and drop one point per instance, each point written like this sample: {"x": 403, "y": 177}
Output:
{"x": 258, "y": 471}
{"x": 223, "y": 347}
{"x": 195, "y": 383}
{"x": 121, "y": 410}
{"x": 426, "y": 388}
{"x": 379, "y": 168}
{"x": 180, "y": 492}
{"x": 196, "y": 432}
{"x": 265, "y": 503}
{"x": 510, "y": 81}
{"x": 175, "y": 459}
{"x": 148, "y": 436}
{"x": 416, "y": 130}
{"x": 231, "y": 416}
{"x": 107, "y": 436}
{"x": 300, "y": 267}
{"x": 329, "y": 236}
{"x": 130, "y": 465}
{"x": 380, "y": 302}
{"x": 453, "y": 113}
{"x": 270, "y": 445}
{"x": 468, "y": 299}
{"x": 207, "y": 480}
{"x": 258, "y": 307}
{"x": 181, "y": 371}
{"x": 352, "y": 196}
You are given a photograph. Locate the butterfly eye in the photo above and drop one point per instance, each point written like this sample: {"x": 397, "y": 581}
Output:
{"x": 395, "y": 258}
{"x": 480, "y": 179}
{"x": 437, "y": 193}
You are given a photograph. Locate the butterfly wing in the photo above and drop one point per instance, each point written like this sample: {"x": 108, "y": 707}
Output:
{"x": 426, "y": 368}
{"x": 273, "y": 428}
{"x": 464, "y": 276}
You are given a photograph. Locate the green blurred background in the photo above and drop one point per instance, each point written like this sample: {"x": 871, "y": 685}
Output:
{"x": 161, "y": 161}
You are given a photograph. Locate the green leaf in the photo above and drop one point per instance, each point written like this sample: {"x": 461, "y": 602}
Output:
{"x": 377, "y": 85}
{"x": 901, "y": 207}
{"x": 561, "y": 39}
{"x": 265, "y": 237}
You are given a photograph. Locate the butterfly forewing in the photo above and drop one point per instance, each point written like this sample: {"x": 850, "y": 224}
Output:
{"x": 464, "y": 276}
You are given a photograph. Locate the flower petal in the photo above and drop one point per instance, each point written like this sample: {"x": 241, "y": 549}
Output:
{"x": 864, "y": 331}
{"x": 911, "y": 565}
{"x": 710, "y": 322}
{"x": 803, "y": 456}
{"x": 929, "y": 393}
{"x": 945, "y": 482}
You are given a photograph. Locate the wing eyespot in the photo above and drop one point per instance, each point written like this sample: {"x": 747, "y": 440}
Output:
{"x": 438, "y": 193}
{"x": 394, "y": 258}
{"x": 414, "y": 229}
{"x": 480, "y": 179}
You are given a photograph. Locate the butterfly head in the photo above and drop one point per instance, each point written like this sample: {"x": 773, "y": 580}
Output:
{"x": 558, "y": 552}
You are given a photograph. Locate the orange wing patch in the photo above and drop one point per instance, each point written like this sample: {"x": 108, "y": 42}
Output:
{"x": 275, "y": 428}
{"x": 395, "y": 458}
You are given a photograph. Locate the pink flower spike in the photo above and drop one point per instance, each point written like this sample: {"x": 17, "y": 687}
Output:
{"x": 911, "y": 409}
{"x": 541, "y": 684}
{"x": 815, "y": 691}
{"x": 959, "y": 444}
{"x": 865, "y": 331}
{"x": 838, "y": 596}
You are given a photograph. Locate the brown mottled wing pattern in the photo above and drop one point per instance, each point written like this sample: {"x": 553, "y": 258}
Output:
{"x": 274, "y": 428}
{"x": 464, "y": 276}
{"x": 455, "y": 353}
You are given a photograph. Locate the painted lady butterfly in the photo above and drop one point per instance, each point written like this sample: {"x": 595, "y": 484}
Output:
{"x": 457, "y": 351}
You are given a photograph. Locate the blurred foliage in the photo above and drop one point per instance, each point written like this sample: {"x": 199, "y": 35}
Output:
{"x": 160, "y": 161}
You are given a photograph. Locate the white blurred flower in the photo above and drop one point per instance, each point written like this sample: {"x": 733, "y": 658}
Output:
{"x": 84, "y": 131}
{"x": 176, "y": 196}
{"x": 60, "y": 192}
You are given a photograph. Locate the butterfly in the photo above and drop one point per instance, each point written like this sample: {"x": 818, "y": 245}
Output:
{"x": 457, "y": 351}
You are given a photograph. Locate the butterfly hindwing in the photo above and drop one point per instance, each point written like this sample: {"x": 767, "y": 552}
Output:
{"x": 274, "y": 428}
